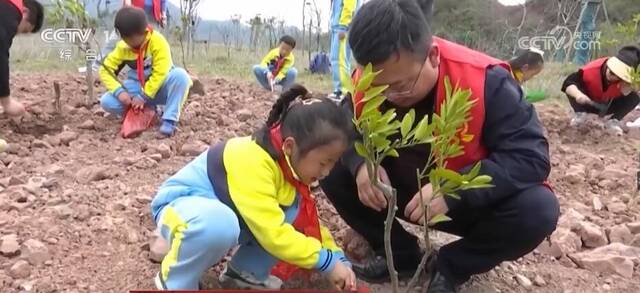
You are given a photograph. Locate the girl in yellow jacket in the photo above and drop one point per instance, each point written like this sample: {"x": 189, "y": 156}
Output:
{"x": 247, "y": 191}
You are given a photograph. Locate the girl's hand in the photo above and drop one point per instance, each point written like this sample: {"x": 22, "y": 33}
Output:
{"x": 342, "y": 277}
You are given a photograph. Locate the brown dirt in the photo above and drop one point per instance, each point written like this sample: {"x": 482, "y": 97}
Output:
{"x": 84, "y": 192}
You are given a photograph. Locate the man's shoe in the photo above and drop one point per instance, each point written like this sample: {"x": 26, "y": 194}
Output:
{"x": 375, "y": 271}
{"x": 232, "y": 279}
{"x": 440, "y": 284}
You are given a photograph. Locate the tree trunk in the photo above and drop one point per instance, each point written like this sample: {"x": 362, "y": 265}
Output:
{"x": 89, "y": 79}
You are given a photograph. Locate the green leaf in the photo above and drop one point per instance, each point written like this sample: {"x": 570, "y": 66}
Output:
{"x": 449, "y": 175}
{"x": 407, "y": 122}
{"x": 350, "y": 87}
{"x": 482, "y": 179}
{"x": 374, "y": 92}
{"x": 372, "y": 105}
{"x": 367, "y": 78}
{"x": 361, "y": 150}
{"x": 473, "y": 172}
{"x": 423, "y": 130}
{"x": 388, "y": 116}
{"x": 447, "y": 86}
{"x": 438, "y": 219}
{"x": 392, "y": 153}
{"x": 380, "y": 142}
{"x": 453, "y": 195}
{"x": 476, "y": 186}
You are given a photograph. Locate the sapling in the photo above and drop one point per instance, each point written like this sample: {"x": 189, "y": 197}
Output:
{"x": 442, "y": 132}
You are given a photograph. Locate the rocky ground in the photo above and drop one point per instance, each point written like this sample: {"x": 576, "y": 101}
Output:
{"x": 74, "y": 197}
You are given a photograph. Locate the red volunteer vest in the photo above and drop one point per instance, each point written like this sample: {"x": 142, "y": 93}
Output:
{"x": 18, "y": 4}
{"x": 157, "y": 13}
{"x": 592, "y": 79}
{"x": 466, "y": 69}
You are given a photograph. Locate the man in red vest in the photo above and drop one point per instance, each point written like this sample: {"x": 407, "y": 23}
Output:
{"x": 495, "y": 224}
{"x": 603, "y": 87}
{"x": 16, "y": 16}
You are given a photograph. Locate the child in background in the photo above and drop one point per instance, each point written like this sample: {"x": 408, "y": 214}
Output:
{"x": 156, "y": 11}
{"x": 276, "y": 67}
{"x": 154, "y": 79}
{"x": 526, "y": 66}
{"x": 248, "y": 191}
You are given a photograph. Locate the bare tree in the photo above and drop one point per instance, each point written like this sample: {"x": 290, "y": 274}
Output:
{"x": 189, "y": 17}
{"x": 271, "y": 25}
{"x": 318, "y": 28}
{"x": 256, "y": 25}
{"x": 225, "y": 33}
{"x": 237, "y": 29}
{"x": 304, "y": 15}
{"x": 195, "y": 22}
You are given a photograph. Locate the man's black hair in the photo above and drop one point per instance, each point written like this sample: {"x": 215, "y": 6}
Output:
{"x": 130, "y": 21}
{"x": 527, "y": 57}
{"x": 289, "y": 40}
{"x": 36, "y": 14}
{"x": 383, "y": 27}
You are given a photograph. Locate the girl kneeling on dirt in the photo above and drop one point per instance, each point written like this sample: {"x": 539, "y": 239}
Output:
{"x": 603, "y": 87}
{"x": 247, "y": 191}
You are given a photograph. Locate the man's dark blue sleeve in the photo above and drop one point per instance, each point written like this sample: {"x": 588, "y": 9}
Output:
{"x": 9, "y": 20}
{"x": 512, "y": 133}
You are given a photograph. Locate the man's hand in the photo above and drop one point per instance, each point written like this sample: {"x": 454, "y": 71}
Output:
{"x": 137, "y": 103}
{"x": 125, "y": 99}
{"x": 342, "y": 35}
{"x": 12, "y": 107}
{"x": 370, "y": 195}
{"x": 584, "y": 100}
{"x": 342, "y": 277}
{"x": 415, "y": 210}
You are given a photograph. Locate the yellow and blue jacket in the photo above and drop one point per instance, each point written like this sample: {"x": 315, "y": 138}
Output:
{"x": 271, "y": 61}
{"x": 342, "y": 12}
{"x": 157, "y": 64}
{"x": 244, "y": 176}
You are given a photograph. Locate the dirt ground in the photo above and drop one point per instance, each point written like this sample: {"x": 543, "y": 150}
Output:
{"x": 74, "y": 196}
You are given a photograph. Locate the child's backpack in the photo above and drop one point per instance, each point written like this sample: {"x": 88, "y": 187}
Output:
{"x": 320, "y": 64}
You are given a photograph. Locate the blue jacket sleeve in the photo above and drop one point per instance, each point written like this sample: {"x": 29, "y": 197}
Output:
{"x": 512, "y": 133}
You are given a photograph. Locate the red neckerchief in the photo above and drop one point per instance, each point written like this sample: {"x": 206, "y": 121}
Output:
{"x": 157, "y": 13}
{"x": 278, "y": 65}
{"x": 307, "y": 220}
{"x": 141, "y": 52}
